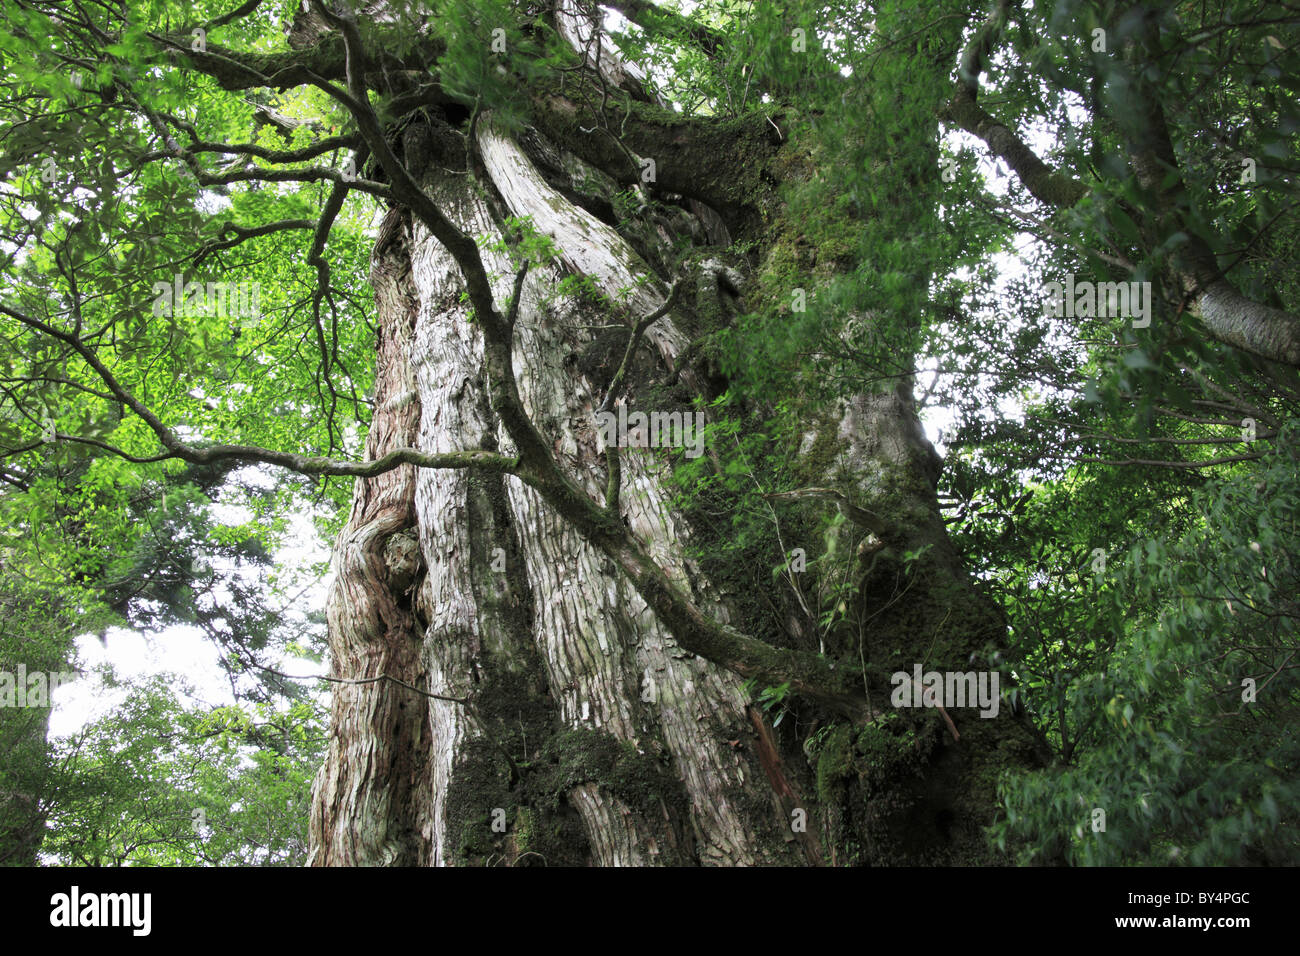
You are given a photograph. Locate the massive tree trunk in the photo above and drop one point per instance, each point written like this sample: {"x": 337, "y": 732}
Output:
{"x": 471, "y": 587}
{"x": 523, "y": 691}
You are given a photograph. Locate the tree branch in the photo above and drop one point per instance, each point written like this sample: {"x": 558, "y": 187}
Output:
{"x": 858, "y": 515}
{"x": 1043, "y": 183}
{"x": 655, "y": 19}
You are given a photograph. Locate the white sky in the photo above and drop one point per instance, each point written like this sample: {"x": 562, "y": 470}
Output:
{"x": 184, "y": 650}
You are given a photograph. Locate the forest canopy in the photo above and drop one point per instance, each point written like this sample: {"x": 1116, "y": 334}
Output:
{"x": 378, "y": 267}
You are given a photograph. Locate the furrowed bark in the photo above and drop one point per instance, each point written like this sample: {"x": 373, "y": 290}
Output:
{"x": 587, "y": 645}
{"x": 374, "y": 790}
{"x": 597, "y": 663}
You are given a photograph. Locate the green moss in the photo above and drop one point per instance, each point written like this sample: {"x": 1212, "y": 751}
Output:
{"x": 479, "y": 784}
{"x": 820, "y": 460}
{"x": 890, "y": 748}
{"x": 805, "y": 248}
{"x": 834, "y": 763}
{"x": 541, "y": 826}
{"x": 574, "y": 757}
{"x": 525, "y": 827}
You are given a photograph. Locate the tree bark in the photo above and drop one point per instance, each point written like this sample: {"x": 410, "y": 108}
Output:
{"x": 561, "y": 716}
{"x": 553, "y": 651}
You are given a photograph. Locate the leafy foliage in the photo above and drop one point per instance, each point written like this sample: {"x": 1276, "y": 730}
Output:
{"x": 1127, "y": 493}
{"x": 223, "y": 786}
{"x": 1174, "y": 702}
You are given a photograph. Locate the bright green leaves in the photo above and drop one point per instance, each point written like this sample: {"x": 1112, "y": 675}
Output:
{"x": 488, "y": 56}
{"x": 770, "y": 699}
{"x": 526, "y": 243}
{"x": 1162, "y": 721}
{"x": 188, "y": 786}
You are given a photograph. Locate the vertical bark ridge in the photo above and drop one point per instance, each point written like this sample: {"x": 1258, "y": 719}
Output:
{"x": 684, "y": 685}
{"x": 367, "y": 801}
{"x": 587, "y": 245}
{"x": 471, "y": 630}
{"x": 597, "y": 641}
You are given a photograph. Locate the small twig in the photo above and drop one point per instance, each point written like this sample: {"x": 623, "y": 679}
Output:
{"x": 858, "y": 515}
{"x": 359, "y": 680}
{"x": 948, "y": 720}
{"x": 613, "y": 464}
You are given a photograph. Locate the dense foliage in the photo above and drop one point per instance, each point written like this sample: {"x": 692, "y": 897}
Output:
{"x": 1127, "y": 492}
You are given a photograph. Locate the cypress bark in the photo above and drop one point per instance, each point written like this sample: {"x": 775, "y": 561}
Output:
{"x": 587, "y": 703}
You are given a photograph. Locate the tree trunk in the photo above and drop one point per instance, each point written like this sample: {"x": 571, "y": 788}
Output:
{"x": 567, "y": 723}
{"x": 24, "y": 783}
{"x": 470, "y": 586}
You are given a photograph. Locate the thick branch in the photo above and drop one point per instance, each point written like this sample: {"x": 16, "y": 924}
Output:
{"x": 1043, "y": 183}
{"x": 1227, "y": 314}
{"x": 657, "y": 20}
{"x": 717, "y": 160}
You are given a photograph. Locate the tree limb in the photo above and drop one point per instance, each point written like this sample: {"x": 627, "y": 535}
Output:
{"x": 858, "y": 515}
